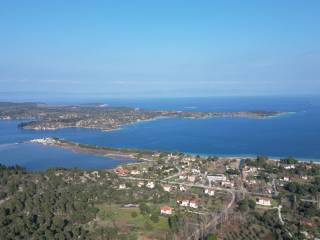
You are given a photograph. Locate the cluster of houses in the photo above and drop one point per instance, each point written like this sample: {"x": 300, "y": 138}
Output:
{"x": 192, "y": 203}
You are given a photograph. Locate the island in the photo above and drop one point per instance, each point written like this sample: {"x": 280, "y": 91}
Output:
{"x": 101, "y": 116}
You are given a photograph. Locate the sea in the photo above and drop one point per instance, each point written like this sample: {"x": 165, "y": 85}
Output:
{"x": 295, "y": 134}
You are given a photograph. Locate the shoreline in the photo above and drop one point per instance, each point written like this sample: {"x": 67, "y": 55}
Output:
{"x": 178, "y": 114}
{"x": 114, "y": 153}
{"x": 132, "y": 154}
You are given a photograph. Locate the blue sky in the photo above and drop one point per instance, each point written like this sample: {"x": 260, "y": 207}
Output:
{"x": 159, "y": 48}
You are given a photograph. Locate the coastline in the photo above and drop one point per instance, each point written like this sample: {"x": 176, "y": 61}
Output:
{"x": 114, "y": 153}
{"x": 178, "y": 114}
{"x": 132, "y": 154}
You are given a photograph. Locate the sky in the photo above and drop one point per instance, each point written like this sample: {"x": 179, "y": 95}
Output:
{"x": 167, "y": 48}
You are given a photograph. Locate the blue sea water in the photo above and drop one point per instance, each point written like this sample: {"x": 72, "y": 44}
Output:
{"x": 295, "y": 134}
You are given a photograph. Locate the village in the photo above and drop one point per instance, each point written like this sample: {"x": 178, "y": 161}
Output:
{"x": 171, "y": 195}
{"x": 207, "y": 192}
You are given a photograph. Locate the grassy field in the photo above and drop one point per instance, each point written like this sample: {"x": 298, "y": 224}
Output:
{"x": 125, "y": 221}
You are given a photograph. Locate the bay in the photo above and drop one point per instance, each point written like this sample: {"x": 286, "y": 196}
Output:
{"x": 295, "y": 134}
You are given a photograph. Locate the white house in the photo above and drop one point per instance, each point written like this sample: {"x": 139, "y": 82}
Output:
{"x": 286, "y": 179}
{"x": 263, "y": 201}
{"x": 182, "y": 188}
{"x": 150, "y": 185}
{"x": 194, "y": 204}
{"x": 122, "y": 186}
{"x": 209, "y": 191}
{"x": 195, "y": 171}
{"x": 182, "y": 177}
{"x": 184, "y": 202}
{"x": 227, "y": 184}
{"x": 167, "y": 188}
{"x": 96, "y": 174}
{"x": 140, "y": 184}
{"x": 135, "y": 172}
{"x": 166, "y": 210}
{"x": 291, "y": 166}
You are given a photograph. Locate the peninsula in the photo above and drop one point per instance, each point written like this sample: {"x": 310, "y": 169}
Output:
{"x": 101, "y": 116}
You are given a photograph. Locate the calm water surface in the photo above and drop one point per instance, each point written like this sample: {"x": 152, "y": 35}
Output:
{"x": 288, "y": 135}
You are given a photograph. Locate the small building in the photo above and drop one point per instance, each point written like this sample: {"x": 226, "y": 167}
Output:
{"x": 182, "y": 188}
{"x": 140, "y": 184}
{"x": 286, "y": 179}
{"x": 289, "y": 166}
{"x": 216, "y": 178}
{"x": 167, "y": 188}
{"x": 227, "y": 184}
{"x": 150, "y": 185}
{"x": 156, "y": 155}
{"x": 135, "y": 172}
{"x": 183, "y": 176}
{"x": 263, "y": 201}
{"x": 195, "y": 171}
{"x": 209, "y": 191}
{"x": 96, "y": 174}
{"x": 120, "y": 171}
{"x": 183, "y": 202}
{"x": 166, "y": 210}
{"x": 194, "y": 203}
{"x": 122, "y": 186}
{"x": 191, "y": 178}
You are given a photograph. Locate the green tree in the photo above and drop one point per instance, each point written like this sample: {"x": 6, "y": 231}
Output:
{"x": 134, "y": 214}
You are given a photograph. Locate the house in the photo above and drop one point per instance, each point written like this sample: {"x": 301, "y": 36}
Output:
{"x": 288, "y": 167}
{"x": 227, "y": 184}
{"x": 195, "y": 171}
{"x": 150, "y": 185}
{"x": 191, "y": 178}
{"x": 194, "y": 203}
{"x": 182, "y": 188}
{"x": 304, "y": 177}
{"x": 187, "y": 159}
{"x": 96, "y": 174}
{"x": 171, "y": 156}
{"x": 182, "y": 177}
{"x": 167, "y": 188}
{"x": 166, "y": 210}
{"x": 135, "y": 172}
{"x": 263, "y": 201}
{"x": 183, "y": 202}
{"x": 209, "y": 191}
{"x": 140, "y": 184}
{"x": 156, "y": 155}
{"x": 216, "y": 178}
{"x": 120, "y": 171}
{"x": 286, "y": 179}
{"x": 122, "y": 186}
